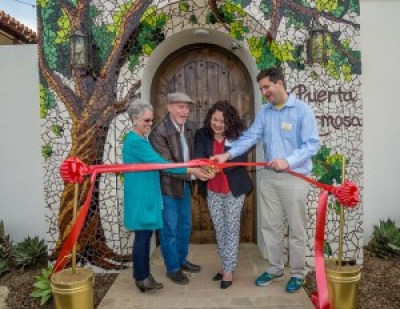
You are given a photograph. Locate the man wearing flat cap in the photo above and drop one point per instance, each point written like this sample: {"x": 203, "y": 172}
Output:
{"x": 173, "y": 139}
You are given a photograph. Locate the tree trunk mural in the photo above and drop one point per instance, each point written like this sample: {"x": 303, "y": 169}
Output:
{"x": 91, "y": 105}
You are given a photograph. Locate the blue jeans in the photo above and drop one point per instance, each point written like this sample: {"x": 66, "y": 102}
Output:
{"x": 175, "y": 235}
{"x": 141, "y": 254}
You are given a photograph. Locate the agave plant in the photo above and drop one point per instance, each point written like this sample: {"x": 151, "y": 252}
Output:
{"x": 30, "y": 252}
{"x": 385, "y": 241}
{"x": 42, "y": 286}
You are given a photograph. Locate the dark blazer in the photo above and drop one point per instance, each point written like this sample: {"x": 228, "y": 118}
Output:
{"x": 165, "y": 139}
{"x": 238, "y": 178}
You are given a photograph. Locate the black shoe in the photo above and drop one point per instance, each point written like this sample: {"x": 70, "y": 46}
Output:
{"x": 190, "y": 267}
{"x": 225, "y": 284}
{"x": 217, "y": 277}
{"x": 148, "y": 284}
{"x": 178, "y": 277}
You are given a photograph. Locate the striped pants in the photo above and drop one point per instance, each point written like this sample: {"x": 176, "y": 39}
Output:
{"x": 225, "y": 210}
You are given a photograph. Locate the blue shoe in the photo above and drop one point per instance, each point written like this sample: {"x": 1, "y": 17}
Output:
{"x": 267, "y": 278}
{"x": 294, "y": 285}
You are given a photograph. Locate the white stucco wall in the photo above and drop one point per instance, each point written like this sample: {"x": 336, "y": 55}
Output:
{"x": 21, "y": 181}
{"x": 380, "y": 50}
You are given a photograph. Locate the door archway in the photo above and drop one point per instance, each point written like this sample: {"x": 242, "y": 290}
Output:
{"x": 208, "y": 73}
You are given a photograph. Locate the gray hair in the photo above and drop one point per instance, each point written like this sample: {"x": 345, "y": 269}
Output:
{"x": 137, "y": 107}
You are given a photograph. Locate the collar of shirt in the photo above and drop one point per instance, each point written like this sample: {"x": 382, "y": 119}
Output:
{"x": 290, "y": 102}
{"x": 177, "y": 127}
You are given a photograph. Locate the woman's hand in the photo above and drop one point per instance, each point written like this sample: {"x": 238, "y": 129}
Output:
{"x": 200, "y": 173}
{"x": 211, "y": 169}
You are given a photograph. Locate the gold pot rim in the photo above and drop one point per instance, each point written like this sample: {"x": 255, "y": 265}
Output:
{"x": 332, "y": 268}
{"x": 66, "y": 279}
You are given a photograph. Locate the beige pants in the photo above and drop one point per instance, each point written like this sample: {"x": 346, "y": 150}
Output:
{"x": 283, "y": 195}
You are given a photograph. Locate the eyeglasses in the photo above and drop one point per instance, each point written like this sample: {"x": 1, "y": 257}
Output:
{"x": 148, "y": 120}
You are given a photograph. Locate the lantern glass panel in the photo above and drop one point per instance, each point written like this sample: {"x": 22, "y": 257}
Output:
{"x": 318, "y": 48}
{"x": 78, "y": 50}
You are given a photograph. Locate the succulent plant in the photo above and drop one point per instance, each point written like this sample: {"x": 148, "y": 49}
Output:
{"x": 42, "y": 286}
{"x": 385, "y": 241}
{"x": 30, "y": 252}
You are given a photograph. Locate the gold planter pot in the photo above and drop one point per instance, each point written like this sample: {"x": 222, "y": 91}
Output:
{"x": 342, "y": 284}
{"x": 73, "y": 291}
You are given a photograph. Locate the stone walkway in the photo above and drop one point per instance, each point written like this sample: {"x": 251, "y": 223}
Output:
{"x": 202, "y": 292}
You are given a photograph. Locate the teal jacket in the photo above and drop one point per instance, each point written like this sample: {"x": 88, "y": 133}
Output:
{"x": 142, "y": 192}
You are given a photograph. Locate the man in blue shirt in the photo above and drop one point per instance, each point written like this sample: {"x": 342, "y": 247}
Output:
{"x": 288, "y": 128}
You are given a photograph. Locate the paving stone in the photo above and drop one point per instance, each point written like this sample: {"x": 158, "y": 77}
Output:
{"x": 202, "y": 292}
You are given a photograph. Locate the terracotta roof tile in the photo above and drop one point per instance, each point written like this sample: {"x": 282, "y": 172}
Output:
{"x": 12, "y": 26}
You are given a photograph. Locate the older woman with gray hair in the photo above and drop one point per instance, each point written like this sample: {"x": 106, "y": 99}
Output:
{"x": 142, "y": 193}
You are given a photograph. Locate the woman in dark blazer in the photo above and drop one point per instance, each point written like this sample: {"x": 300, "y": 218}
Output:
{"x": 226, "y": 192}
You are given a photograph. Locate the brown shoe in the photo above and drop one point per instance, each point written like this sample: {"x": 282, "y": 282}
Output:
{"x": 178, "y": 277}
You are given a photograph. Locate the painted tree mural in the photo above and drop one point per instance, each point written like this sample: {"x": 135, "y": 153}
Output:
{"x": 90, "y": 98}
{"x": 131, "y": 31}
{"x": 298, "y": 14}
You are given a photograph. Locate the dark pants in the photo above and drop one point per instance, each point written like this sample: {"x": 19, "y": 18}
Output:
{"x": 175, "y": 235}
{"x": 141, "y": 254}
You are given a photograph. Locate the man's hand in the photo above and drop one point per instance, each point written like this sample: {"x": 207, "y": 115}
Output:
{"x": 279, "y": 165}
{"x": 201, "y": 174}
{"x": 221, "y": 158}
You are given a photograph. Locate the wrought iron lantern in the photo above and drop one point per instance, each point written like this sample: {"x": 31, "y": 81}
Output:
{"x": 316, "y": 44}
{"x": 79, "y": 50}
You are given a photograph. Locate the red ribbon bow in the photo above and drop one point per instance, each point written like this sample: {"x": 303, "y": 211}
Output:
{"x": 73, "y": 170}
{"x": 347, "y": 195}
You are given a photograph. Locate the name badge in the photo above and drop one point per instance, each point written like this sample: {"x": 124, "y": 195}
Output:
{"x": 286, "y": 126}
{"x": 228, "y": 143}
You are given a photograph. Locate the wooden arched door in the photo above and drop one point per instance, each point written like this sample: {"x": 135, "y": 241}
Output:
{"x": 208, "y": 73}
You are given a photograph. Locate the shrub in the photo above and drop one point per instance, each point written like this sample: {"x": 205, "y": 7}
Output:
{"x": 3, "y": 266}
{"x": 6, "y": 248}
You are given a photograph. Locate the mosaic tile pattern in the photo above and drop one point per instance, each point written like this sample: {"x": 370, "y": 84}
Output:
{"x": 82, "y": 110}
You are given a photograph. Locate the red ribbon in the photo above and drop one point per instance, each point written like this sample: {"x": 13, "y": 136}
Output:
{"x": 348, "y": 195}
{"x": 73, "y": 171}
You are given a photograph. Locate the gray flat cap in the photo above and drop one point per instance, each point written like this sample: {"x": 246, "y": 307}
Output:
{"x": 179, "y": 97}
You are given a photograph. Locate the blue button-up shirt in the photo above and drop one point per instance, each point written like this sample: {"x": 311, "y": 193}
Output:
{"x": 289, "y": 133}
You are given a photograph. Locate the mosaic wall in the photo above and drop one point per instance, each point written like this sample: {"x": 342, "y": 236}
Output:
{"x": 83, "y": 109}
